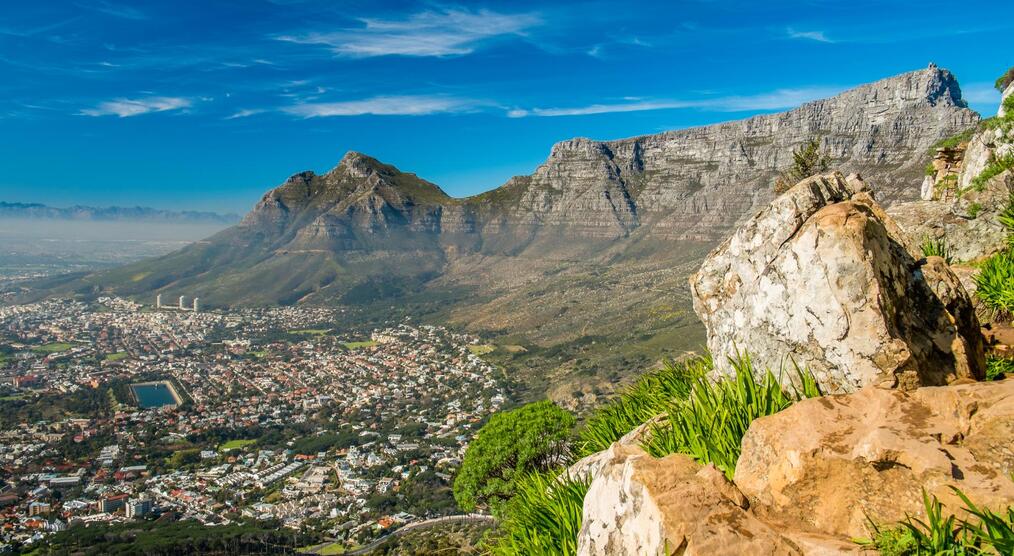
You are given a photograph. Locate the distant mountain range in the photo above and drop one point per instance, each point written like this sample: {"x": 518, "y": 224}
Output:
{"x": 135, "y": 214}
{"x": 586, "y": 259}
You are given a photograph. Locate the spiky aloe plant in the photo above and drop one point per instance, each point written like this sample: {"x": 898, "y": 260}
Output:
{"x": 936, "y": 248}
{"x": 543, "y": 518}
{"x": 995, "y": 285}
{"x": 651, "y": 395}
{"x": 710, "y": 423}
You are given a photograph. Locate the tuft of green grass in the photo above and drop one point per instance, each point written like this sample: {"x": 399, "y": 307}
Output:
{"x": 936, "y": 248}
{"x": 997, "y": 368}
{"x": 984, "y": 532}
{"x": 650, "y": 396}
{"x": 974, "y": 209}
{"x": 710, "y": 423}
{"x": 543, "y": 518}
{"x": 995, "y": 285}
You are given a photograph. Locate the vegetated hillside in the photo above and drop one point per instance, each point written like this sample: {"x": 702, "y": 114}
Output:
{"x": 596, "y": 244}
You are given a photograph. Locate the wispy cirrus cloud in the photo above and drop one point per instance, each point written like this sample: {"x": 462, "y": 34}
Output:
{"x": 115, "y": 10}
{"x": 410, "y": 105}
{"x": 775, "y": 100}
{"x": 818, "y": 36}
{"x": 451, "y": 32}
{"x": 127, "y": 107}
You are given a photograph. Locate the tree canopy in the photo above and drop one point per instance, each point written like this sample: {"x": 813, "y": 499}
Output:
{"x": 534, "y": 437}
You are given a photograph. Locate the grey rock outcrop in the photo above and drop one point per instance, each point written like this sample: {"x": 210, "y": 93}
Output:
{"x": 825, "y": 279}
{"x": 956, "y": 209}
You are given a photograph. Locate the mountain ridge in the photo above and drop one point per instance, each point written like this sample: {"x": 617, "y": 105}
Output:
{"x": 584, "y": 247}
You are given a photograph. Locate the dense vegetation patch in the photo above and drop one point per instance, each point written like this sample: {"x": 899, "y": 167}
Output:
{"x": 180, "y": 537}
{"x": 995, "y": 281}
{"x": 1005, "y": 80}
{"x": 710, "y": 423}
{"x": 534, "y": 438}
{"x": 543, "y": 518}
{"x": 650, "y": 396}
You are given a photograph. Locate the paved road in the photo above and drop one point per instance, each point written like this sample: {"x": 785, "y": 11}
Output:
{"x": 467, "y": 518}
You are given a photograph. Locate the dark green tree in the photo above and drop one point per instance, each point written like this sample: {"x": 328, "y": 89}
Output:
{"x": 534, "y": 437}
{"x": 808, "y": 160}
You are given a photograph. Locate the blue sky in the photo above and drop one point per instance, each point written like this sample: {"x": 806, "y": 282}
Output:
{"x": 206, "y": 105}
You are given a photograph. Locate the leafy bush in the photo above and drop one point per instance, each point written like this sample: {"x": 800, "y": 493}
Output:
{"x": 936, "y": 248}
{"x": 808, "y": 160}
{"x": 543, "y": 518}
{"x": 532, "y": 438}
{"x": 997, "y": 368}
{"x": 651, "y": 395}
{"x": 995, "y": 285}
{"x": 710, "y": 423}
{"x": 1004, "y": 80}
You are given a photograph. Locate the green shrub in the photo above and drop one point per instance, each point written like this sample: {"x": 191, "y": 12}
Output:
{"x": 651, "y": 395}
{"x": 1004, "y": 80}
{"x": 710, "y": 423}
{"x": 997, "y": 368}
{"x": 808, "y": 160}
{"x": 543, "y": 518}
{"x": 532, "y": 438}
{"x": 936, "y": 248}
{"x": 995, "y": 285}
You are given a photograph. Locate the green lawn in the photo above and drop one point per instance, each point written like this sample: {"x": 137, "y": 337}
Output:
{"x": 116, "y": 356}
{"x": 235, "y": 445}
{"x": 54, "y": 347}
{"x": 355, "y": 345}
{"x": 258, "y": 354}
{"x": 482, "y": 349}
{"x": 310, "y": 331}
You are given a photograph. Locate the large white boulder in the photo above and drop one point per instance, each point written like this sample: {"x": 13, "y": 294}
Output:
{"x": 824, "y": 278}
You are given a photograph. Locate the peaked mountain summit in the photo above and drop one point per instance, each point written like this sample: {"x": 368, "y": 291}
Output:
{"x": 578, "y": 248}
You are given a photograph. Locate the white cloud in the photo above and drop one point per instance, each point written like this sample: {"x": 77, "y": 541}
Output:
{"x": 451, "y": 32}
{"x": 382, "y": 106}
{"x": 116, "y": 10}
{"x": 246, "y": 113}
{"x": 775, "y": 100}
{"x": 818, "y": 36}
{"x": 980, "y": 93}
{"x": 126, "y": 107}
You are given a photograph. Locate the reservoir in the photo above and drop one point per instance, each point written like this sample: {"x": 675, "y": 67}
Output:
{"x": 155, "y": 394}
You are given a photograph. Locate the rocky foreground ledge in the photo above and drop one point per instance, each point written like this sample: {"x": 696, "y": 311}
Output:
{"x": 811, "y": 478}
{"x": 825, "y": 279}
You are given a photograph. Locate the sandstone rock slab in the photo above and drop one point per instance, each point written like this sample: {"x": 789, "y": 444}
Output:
{"x": 640, "y": 505}
{"x": 868, "y": 455}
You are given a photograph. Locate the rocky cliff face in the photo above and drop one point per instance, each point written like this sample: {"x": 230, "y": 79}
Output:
{"x": 690, "y": 184}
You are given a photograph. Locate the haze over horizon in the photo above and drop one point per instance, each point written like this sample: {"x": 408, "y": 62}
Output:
{"x": 151, "y": 104}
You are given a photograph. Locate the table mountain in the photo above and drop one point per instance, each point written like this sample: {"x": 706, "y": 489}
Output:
{"x": 584, "y": 247}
